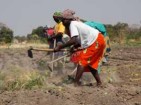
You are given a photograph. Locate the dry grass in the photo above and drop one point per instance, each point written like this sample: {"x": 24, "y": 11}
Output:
{"x": 23, "y": 45}
{"x": 19, "y": 79}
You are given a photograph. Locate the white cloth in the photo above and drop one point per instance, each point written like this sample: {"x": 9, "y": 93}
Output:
{"x": 65, "y": 38}
{"x": 86, "y": 34}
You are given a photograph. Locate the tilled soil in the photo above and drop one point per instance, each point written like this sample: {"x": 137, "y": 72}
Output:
{"x": 121, "y": 78}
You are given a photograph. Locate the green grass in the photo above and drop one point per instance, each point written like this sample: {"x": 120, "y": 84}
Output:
{"x": 136, "y": 43}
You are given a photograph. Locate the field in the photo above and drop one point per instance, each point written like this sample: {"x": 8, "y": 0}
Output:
{"x": 121, "y": 78}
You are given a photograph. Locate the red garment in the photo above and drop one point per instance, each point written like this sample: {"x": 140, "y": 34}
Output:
{"x": 75, "y": 57}
{"x": 50, "y": 31}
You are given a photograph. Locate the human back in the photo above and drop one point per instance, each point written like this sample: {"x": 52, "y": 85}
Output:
{"x": 87, "y": 35}
{"x": 59, "y": 27}
{"x": 97, "y": 25}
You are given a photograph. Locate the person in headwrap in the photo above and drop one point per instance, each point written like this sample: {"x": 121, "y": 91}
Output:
{"x": 92, "y": 44}
{"x": 59, "y": 28}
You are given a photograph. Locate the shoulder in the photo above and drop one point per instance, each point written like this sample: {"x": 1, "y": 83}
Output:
{"x": 61, "y": 24}
{"x": 76, "y": 23}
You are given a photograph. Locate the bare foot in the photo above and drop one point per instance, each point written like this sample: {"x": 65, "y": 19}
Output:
{"x": 76, "y": 84}
{"x": 99, "y": 84}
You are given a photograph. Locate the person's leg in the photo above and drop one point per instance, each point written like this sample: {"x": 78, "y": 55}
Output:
{"x": 60, "y": 53}
{"x": 51, "y": 46}
{"x": 80, "y": 70}
{"x": 96, "y": 76}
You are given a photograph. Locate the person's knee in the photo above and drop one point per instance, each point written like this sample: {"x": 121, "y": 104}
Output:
{"x": 92, "y": 70}
{"x": 80, "y": 67}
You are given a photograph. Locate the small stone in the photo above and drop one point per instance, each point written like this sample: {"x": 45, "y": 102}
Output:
{"x": 105, "y": 93}
{"x": 137, "y": 103}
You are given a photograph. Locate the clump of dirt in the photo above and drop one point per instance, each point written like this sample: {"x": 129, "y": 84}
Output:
{"x": 121, "y": 78}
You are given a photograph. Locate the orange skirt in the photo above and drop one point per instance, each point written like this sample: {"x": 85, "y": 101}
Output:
{"x": 92, "y": 55}
{"x": 75, "y": 57}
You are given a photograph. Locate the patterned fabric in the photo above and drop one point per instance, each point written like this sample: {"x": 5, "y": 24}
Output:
{"x": 75, "y": 57}
{"x": 57, "y": 14}
{"x": 93, "y": 54}
{"x": 68, "y": 14}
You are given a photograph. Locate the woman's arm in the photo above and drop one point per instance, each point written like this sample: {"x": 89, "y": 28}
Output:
{"x": 72, "y": 41}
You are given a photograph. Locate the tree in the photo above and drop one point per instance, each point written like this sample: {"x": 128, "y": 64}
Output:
{"x": 117, "y": 32}
{"x": 38, "y": 31}
{"x": 121, "y": 31}
{"x": 20, "y": 38}
{"x": 37, "y": 34}
{"x": 6, "y": 35}
{"x": 134, "y": 33}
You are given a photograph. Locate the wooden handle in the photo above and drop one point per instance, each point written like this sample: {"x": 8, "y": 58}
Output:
{"x": 49, "y": 50}
{"x": 38, "y": 49}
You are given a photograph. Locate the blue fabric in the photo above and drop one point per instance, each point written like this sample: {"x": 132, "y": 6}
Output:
{"x": 99, "y": 26}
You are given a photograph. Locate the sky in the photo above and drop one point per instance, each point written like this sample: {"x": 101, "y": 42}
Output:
{"x": 22, "y": 16}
